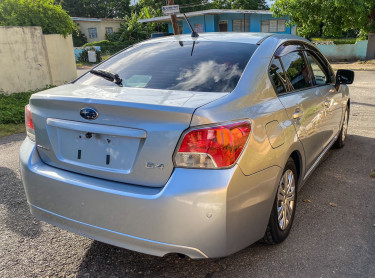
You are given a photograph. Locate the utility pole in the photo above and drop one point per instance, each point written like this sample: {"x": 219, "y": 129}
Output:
{"x": 174, "y": 19}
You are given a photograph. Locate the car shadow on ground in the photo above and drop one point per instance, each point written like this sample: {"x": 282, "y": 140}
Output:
{"x": 105, "y": 260}
{"x": 17, "y": 214}
{"x": 333, "y": 177}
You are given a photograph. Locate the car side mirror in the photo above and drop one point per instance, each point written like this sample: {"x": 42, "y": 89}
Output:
{"x": 344, "y": 77}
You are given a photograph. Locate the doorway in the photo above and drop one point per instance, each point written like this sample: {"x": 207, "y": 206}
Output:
{"x": 223, "y": 25}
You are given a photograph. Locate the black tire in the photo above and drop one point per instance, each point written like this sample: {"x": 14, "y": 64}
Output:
{"x": 274, "y": 233}
{"x": 340, "y": 142}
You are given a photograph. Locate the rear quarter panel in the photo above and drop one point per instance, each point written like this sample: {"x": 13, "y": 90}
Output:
{"x": 250, "y": 199}
{"x": 254, "y": 98}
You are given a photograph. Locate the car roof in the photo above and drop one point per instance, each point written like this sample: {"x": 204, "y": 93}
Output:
{"x": 243, "y": 37}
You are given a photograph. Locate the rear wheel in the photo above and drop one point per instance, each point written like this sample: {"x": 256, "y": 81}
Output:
{"x": 340, "y": 142}
{"x": 284, "y": 206}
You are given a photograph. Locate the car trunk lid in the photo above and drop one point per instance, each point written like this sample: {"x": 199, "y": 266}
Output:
{"x": 132, "y": 140}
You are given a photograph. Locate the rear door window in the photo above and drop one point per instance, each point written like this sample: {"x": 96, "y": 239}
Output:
{"x": 296, "y": 70}
{"x": 322, "y": 60}
{"x": 320, "y": 76}
{"x": 278, "y": 77}
{"x": 205, "y": 66}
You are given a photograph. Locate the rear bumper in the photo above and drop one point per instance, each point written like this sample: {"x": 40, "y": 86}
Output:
{"x": 112, "y": 237}
{"x": 199, "y": 213}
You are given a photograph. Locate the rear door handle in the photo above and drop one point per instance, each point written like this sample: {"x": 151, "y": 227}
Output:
{"x": 298, "y": 114}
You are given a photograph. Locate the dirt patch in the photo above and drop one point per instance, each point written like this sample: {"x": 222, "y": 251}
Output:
{"x": 81, "y": 66}
{"x": 358, "y": 65}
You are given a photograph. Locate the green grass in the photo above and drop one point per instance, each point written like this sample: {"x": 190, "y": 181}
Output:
{"x": 106, "y": 56}
{"x": 9, "y": 129}
{"x": 12, "y": 107}
{"x": 87, "y": 64}
{"x": 336, "y": 41}
{"x": 107, "y": 47}
{"x": 12, "y": 111}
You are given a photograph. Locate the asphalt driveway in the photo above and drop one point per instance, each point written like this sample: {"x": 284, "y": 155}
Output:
{"x": 333, "y": 233}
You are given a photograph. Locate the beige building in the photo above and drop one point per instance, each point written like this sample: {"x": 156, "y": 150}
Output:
{"x": 96, "y": 28}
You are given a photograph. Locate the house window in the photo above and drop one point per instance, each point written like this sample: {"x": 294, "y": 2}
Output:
{"x": 273, "y": 26}
{"x": 223, "y": 25}
{"x": 238, "y": 25}
{"x": 198, "y": 28}
{"x": 109, "y": 30}
{"x": 93, "y": 34}
{"x": 281, "y": 25}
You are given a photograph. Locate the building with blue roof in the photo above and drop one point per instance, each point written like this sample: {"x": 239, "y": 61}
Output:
{"x": 225, "y": 20}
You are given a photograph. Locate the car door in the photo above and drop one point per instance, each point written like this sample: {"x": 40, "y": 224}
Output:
{"x": 304, "y": 103}
{"x": 323, "y": 80}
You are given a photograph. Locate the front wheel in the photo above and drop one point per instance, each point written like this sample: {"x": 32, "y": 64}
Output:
{"x": 340, "y": 142}
{"x": 284, "y": 206}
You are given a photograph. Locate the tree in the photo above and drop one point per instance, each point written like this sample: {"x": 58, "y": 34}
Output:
{"x": 185, "y": 5}
{"x": 330, "y": 18}
{"x": 192, "y": 6}
{"x": 73, "y": 7}
{"x": 240, "y": 4}
{"x": 250, "y": 5}
{"x": 79, "y": 38}
{"x": 45, "y": 13}
{"x": 155, "y": 5}
{"x": 97, "y": 8}
{"x": 133, "y": 31}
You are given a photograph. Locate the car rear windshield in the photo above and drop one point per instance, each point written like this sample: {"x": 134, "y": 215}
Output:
{"x": 186, "y": 66}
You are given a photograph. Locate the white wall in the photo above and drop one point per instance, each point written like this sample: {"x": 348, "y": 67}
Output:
{"x": 23, "y": 59}
{"x": 29, "y": 60}
{"x": 61, "y": 58}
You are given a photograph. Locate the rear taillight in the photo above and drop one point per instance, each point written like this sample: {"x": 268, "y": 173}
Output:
{"x": 29, "y": 123}
{"x": 213, "y": 147}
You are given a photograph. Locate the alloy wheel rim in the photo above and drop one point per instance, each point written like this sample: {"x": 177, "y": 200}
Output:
{"x": 285, "y": 199}
{"x": 345, "y": 126}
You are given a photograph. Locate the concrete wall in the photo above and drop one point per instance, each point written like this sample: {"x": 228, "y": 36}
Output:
{"x": 23, "y": 59}
{"x": 344, "y": 52}
{"x": 100, "y": 26}
{"x": 210, "y": 23}
{"x": 61, "y": 58}
{"x": 29, "y": 60}
{"x": 193, "y": 20}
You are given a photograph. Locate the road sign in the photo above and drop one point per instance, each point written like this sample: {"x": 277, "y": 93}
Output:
{"x": 172, "y": 9}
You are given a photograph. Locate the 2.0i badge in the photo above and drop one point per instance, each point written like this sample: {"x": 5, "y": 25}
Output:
{"x": 89, "y": 113}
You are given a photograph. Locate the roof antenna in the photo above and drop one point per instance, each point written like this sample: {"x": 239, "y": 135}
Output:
{"x": 193, "y": 33}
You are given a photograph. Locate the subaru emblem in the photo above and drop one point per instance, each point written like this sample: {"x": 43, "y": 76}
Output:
{"x": 89, "y": 113}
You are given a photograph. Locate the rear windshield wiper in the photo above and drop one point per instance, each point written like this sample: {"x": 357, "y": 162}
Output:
{"x": 113, "y": 77}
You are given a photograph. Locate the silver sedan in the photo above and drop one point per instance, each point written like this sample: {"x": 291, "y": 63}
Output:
{"x": 189, "y": 145}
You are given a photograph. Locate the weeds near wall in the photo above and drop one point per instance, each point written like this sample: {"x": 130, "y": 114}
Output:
{"x": 12, "y": 111}
{"x": 110, "y": 47}
{"x": 84, "y": 55}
